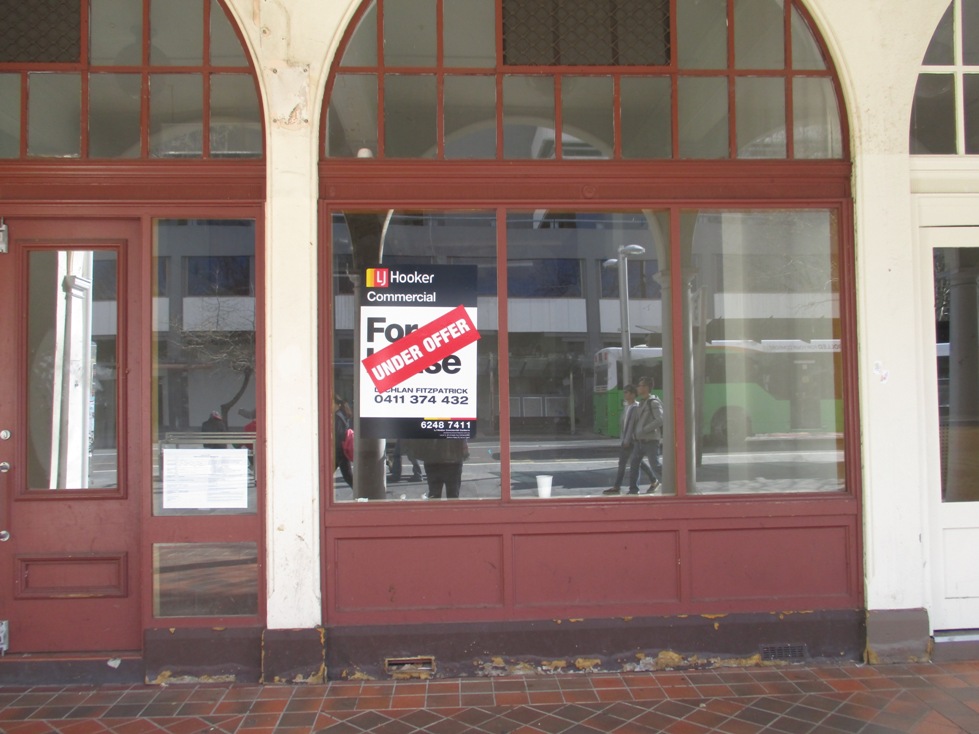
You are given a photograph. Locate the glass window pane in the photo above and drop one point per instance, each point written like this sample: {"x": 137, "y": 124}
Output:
{"x": 806, "y": 54}
{"x": 957, "y": 348}
{"x": 362, "y": 48}
{"x": 817, "y": 132}
{"x": 113, "y": 115}
{"x": 647, "y": 129}
{"x": 759, "y": 34}
{"x": 352, "y": 121}
{"x": 204, "y": 368}
{"x": 177, "y": 28}
{"x": 410, "y": 129}
{"x": 176, "y": 113}
{"x": 205, "y": 579}
{"x": 236, "y": 125}
{"x": 10, "y": 116}
{"x": 970, "y": 29}
{"x": 72, "y": 372}
{"x": 941, "y": 50}
{"x": 760, "y": 105}
{"x": 409, "y": 33}
{"x": 586, "y": 117}
{"x": 933, "y": 115}
{"x": 703, "y": 110}
{"x": 469, "y": 33}
{"x": 566, "y": 367}
{"x": 54, "y": 115}
{"x": 470, "y": 116}
{"x": 392, "y": 467}
{"x": 117, "y": 33}
{"x": 226, "y": 49}
{"x": 766, "y": 376}
{"x": 528, "y": 117}
{"x": 702, "y": 34}
{"x": 970, "y": 93}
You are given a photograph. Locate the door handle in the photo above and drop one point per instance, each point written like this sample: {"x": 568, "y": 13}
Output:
{"x": 4, "y": 534}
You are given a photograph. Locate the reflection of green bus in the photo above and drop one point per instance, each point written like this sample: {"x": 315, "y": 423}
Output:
{"x": 770, "y": 389}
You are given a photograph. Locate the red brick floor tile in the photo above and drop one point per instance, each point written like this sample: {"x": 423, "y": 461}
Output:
{"x": 414, "y": 700}
{"x": 546, "y": 697}
{"x": 513, "y": 698}
{"x": 613, "y": 694}
{"x": 442, "y": 700}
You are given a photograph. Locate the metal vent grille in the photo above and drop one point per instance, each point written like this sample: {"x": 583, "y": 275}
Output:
{"x": 40, "y": 31}
{"x": 786, "y": 652}
{"x": 586, "y": 32}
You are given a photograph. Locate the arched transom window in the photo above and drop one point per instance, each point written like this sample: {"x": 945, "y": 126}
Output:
{"x": 125, "y": 79}
{"x": 580, "y": 79}
{"x": 945, "y": 116}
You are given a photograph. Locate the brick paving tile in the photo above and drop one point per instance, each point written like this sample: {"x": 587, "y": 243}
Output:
{"x": 794, "y": 699}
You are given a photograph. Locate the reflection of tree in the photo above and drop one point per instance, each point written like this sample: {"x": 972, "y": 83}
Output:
{"x": 942, "y": 290}
{"x": 212, "y": 341}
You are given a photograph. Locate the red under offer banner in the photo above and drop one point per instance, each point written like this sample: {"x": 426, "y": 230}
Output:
{"x": 420, "y": 349}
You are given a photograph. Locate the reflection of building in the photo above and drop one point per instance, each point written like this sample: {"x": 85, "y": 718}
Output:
{"x": 721, "y": 137}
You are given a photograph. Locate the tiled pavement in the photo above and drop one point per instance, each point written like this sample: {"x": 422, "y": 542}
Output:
{"x": 920, "y": 698}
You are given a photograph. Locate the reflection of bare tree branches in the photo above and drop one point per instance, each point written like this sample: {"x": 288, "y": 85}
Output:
{"x": 218, "y": 339}
{"x": 943, "y": 291}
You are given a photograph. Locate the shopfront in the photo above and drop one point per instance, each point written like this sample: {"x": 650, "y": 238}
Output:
{"x": 475, "y": 224}
{"x": 132, "y": 187}
{"x": 679, "y": 187}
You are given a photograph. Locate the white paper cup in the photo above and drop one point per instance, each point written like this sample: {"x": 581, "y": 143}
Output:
{"x": 544, "y": 485}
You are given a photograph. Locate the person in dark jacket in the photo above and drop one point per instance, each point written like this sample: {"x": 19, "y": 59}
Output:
{"x": 341, "y": 422}
{"x": 214, "y": 424}
{"x": 443, "y": 459}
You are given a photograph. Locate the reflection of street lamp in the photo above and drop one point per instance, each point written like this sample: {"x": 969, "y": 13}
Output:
{"x": 625, "y": 251}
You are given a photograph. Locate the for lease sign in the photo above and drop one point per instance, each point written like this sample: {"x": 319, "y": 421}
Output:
{"x": 418, "y": 352}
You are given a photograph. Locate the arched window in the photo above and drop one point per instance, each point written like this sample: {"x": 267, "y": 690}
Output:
{"x": 945, "y": 115}
{"x": 628, "y": 189}
{"x": 525, "y": 79}
{"x": 125, "y": 79}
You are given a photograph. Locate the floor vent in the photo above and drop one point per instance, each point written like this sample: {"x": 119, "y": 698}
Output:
{"x": 422, "y": 666}
{"x": 788, "y": 653}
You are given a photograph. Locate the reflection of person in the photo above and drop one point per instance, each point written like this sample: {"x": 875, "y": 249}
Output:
{"x": 341, "y": 422}
{"x": 647, "y": 433}
{"x": 403, "y": 449}
{"x": 443, "y": 459}
{"x": 627, "y": 426}
{"x": 214, "y": 424}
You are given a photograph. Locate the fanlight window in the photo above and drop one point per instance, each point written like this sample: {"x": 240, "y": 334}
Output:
{"x": 945, "y": 115}
{"x": 124, "y": 79}
{"x": 583, "y": 79}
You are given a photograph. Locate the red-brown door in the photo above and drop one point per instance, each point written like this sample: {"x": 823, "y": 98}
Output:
{"x": 69, "y": 509}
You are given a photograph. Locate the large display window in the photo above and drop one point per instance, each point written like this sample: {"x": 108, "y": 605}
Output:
{"x": 723, "y": 324}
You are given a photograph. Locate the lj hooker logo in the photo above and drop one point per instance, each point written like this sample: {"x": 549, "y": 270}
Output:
{"x": 378, "y": 278}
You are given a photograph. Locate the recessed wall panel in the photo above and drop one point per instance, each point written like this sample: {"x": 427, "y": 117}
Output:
{"x": 583, "y": 569}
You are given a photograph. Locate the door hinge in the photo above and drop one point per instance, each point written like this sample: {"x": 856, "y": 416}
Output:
{"x": 4, "y": 237}
{"x": 4, "y": 636}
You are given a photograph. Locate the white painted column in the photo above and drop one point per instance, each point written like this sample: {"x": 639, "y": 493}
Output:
{"x": 292, "y": 43}
{"x": 878, "y": 65}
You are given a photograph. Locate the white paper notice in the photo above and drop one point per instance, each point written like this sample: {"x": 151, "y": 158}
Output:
{"x": 205, "y": 479}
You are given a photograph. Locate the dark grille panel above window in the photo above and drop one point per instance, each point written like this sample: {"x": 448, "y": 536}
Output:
{"x": 586, "y": 32}
{"x": 40, "y": 31}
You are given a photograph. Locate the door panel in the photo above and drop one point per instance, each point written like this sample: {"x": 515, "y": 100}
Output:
{"x": 68, "y": 507}
{"x": 955, "y": 502}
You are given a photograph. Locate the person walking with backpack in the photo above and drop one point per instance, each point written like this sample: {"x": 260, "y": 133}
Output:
{"x": 647, "y": 435}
